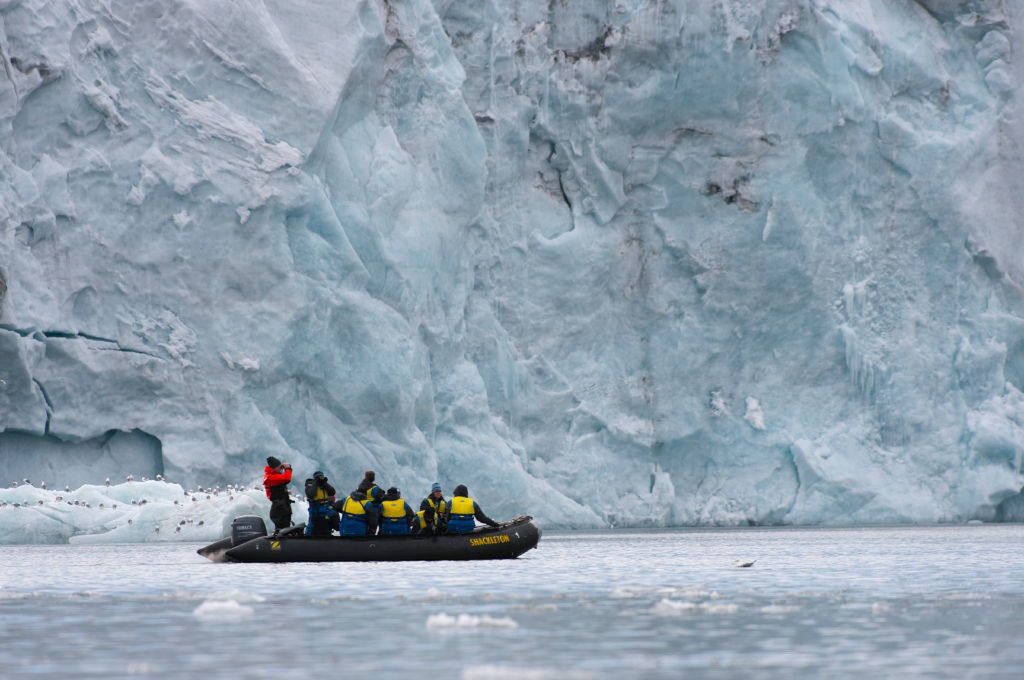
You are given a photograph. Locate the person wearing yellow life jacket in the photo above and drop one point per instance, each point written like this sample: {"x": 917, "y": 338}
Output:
{"x": 358, "y": 515}
{"x": 369, "y": 485}
{"x": 374, "y": 494}
{"x": 396, "y": 515}
{"x": 438, "y": 507}
{"x": 462, "y": 510}
{"x": 423, "y": 523}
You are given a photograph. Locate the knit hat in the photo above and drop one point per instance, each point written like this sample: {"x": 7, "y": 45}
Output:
{"x": 273, "y": 462}
{"x": 435, "y": 487}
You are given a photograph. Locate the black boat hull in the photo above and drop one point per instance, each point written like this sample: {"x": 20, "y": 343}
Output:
{"x": 508, "y": 541}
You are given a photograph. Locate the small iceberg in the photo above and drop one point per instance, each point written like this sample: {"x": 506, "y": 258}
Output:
{"x": 222, "y": 610}
{"x": 442, "y": 622}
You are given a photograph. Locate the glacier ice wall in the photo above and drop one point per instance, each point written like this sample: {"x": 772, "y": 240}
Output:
{"x": 130, "y": 512}
{"x": 643, "y": 262}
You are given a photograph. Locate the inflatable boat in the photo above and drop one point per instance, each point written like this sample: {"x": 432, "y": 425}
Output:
{"x": 249, "y": 542}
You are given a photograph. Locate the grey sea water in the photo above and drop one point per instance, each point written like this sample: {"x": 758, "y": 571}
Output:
{"x": 883, "y": 602}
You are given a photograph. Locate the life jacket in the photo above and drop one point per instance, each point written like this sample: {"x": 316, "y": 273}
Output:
{"x": 276, "y": 483}
{"x": 461, "y": 519}
{"x": 354, "y": 521}
{"x": 439, "y": 506}
{"x": 420, "y": 520}
{"x": 315, "y": 492}
{"x": 394, "y": 521}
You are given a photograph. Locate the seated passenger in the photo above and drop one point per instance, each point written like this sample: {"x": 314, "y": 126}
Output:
{"x": 320, "y": 497}
{"x": 462, "y": 510}
{"x": 369, "y": 484}
{"x": 438, "y": 507}
{"x": 423, "y": 523}
{"x": 396, "y": 515}
{"x": 374, "y": 494}
{"x": 358, "y": 516}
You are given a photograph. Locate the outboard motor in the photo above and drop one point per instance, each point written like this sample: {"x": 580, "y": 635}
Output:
{"x": 247, "y": 528}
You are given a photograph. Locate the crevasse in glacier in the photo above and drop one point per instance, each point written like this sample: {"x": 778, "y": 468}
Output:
{"x": 635, "y": 262}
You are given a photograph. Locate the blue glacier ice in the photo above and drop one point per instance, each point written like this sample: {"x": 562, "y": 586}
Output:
{"x": 642, "y": 262}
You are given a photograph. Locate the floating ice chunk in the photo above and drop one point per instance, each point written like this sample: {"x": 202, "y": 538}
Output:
{"x": 222, "y": 610}
{"x": 444, "y": 621}
{"x": 694, "y": 593}
{"x": 140, "y": 668}
{"x": 718, "y": 607}
{"x": 238, "y": 596}
{"x": 626, "y": 593}
{"x": 667, "y": 607}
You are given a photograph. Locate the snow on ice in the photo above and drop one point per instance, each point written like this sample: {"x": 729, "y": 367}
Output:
{"x": 130, "y": 512}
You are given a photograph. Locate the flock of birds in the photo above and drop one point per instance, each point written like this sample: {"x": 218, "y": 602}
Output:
{"x": 191, "y": 495}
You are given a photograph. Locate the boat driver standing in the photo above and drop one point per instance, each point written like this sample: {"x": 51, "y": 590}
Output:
{"x": 276, "y": 477}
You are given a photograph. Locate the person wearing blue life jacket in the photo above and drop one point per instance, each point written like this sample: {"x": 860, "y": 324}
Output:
{"x": 358, "y": 515}
{"x": 462, "y": 510}
{"x": 396, "y": 515}
{"x": 320, "y": 498}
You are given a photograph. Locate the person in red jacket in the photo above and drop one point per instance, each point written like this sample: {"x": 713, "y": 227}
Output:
{"x": 276, "y": 477}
